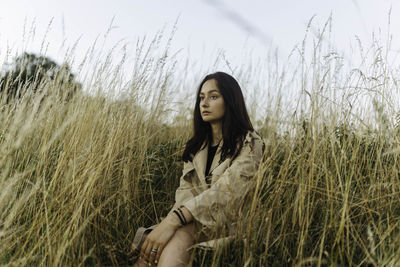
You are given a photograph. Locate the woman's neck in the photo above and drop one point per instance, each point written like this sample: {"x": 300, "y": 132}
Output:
{"x": 216, "y": 133}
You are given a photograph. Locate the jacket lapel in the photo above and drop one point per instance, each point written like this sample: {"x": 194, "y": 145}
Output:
{"x": 200, "y": 161}
{"x": 217, "y": 157}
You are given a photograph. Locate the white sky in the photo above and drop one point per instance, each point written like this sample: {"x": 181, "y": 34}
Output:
{"x": 203, "y": 24}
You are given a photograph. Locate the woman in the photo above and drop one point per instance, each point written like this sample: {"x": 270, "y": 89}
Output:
{"x": 219, "y": 162}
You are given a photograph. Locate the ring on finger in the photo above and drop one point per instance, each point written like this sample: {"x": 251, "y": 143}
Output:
{"x": 154, "y": 250}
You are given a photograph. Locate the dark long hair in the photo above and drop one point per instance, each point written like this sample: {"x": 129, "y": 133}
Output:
{"x": 235, "y": 123}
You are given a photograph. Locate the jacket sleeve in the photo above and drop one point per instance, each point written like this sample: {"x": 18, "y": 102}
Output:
{"x": 221, "y": 202}
{"x": 185, "y": 190}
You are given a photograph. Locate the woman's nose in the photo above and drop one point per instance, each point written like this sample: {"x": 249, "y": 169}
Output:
{"x": 204, "y": 103}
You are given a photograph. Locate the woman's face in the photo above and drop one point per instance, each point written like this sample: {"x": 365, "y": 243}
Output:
{"x": 212, "y": 104}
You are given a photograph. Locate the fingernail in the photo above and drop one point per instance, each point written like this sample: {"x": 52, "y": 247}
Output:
{"x": 140, "y": 257}
{"x": 149, "y": 264}
{"x": 155, "y": 261}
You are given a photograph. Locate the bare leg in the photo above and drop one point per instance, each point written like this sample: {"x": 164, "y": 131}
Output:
{"x": 175, "y": 252}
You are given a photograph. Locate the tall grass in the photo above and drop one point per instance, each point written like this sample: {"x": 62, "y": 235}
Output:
{"x": 78, "y": 178}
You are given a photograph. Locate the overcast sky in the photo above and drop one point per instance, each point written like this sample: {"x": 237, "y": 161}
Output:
{"x": 204, "y": 26}
{"x": 204, "y": 29}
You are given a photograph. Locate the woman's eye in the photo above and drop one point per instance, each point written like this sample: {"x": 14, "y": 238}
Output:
{"x": 213, "y": 97}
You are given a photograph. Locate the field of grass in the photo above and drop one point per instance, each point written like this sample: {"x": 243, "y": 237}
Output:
{"x": 78, "y": 178}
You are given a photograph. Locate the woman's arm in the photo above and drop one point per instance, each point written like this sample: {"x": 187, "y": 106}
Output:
{"x": 185, "y": 189}
{"x": 159, "y": 237}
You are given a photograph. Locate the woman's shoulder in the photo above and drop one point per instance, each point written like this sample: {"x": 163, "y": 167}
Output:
{"x": 252, "y": 145}
{"x": 253, "y": 134}
{"x": 253, "y": 141}
{"x": 253, "y": 137}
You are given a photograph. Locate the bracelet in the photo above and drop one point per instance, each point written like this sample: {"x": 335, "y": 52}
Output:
{"x": 183, "y": 216}
{"x": 180, "y": 218}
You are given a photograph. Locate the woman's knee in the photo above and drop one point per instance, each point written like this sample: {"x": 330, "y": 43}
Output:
{"x": 184, "y": 236}
{"x": 175, "y": 252}
{"x": 188, "y": 229}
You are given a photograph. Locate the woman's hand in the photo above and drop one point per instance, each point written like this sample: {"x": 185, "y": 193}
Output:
{"x": 157, "y": 239}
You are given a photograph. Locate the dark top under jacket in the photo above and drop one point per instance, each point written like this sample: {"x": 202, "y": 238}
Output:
{"x": 210, "y": 157}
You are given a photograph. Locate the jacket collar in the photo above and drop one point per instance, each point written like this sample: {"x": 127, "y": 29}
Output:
{"x": 200, "y": 160}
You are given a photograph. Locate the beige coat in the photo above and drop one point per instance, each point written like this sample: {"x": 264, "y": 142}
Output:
{"x": 218, "y": 205}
